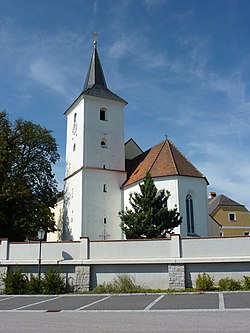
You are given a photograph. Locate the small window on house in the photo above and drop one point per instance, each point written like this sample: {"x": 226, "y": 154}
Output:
{"x": 104, "y": 220}
{"x": 74, "y": 147}
{"x": 104, "y": 188}
{"x": 75, "y": 116}
{"x": 221, "y": 233}
{"x": 103, "y": 115}
{"x": 246, "y": 233}
{"x": 104, "y": 166}
{"x": 232, "y": 217}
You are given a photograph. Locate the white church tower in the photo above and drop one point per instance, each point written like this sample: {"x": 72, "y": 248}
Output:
{"x": 95, "y": 161}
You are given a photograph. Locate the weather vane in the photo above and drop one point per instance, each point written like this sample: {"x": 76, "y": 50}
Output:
{"x": 166, "y": 136}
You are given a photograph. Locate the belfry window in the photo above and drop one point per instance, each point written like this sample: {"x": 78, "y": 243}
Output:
{"x": 103, "y": 114}
{"x": 190, "y": 214}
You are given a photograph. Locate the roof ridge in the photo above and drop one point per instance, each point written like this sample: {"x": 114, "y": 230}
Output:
{"x": 157, "y": 155}
{"x": 185, "y": 159}
{"x": 172, "y": 156}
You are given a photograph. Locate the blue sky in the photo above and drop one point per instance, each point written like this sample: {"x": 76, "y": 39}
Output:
{"x": 182, "y": 65}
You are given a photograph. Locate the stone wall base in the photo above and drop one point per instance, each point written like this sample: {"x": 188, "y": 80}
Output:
{"x": 3, "y": 271}
{"x": 176, "y": 276}
{"x": 81, "y": 281}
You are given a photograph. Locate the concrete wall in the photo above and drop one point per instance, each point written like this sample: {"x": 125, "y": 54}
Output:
{"x": 158, "y": 263}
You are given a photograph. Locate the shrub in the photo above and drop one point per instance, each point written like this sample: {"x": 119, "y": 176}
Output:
{"x": 15, "y": 283}
{"x": 121, "y": 284}
{"x": 125, "y": 284}
{"x": 53, "y": 282}
{"x": 246, "y": 282}
{"x": 35, "y": 286}
{"x": 229, "y": 284}
{"x": 104, "y": 288}
{"x": 204, "y": 282}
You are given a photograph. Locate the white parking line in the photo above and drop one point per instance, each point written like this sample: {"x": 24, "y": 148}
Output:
{"x": 154, "y": 302}
{"x": 221, "y": 302}
{"x": 4, "y": 299}
{"x": 95, "y": 302}
{"x": 40, "y": 302}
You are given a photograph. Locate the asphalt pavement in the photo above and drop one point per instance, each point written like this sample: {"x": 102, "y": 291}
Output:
{"x": 126, "y": 302}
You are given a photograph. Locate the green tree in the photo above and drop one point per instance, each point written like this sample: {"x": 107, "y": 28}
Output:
{"x": 149, "y": 216}
{"x": 27, "y": 184}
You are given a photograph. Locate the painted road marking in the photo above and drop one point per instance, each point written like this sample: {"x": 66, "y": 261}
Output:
{"x": 221, "y": 302}
{"x": 5, "y": 299}
{"x": 32, "y": 304}
{"x": 154, "y": 302}
{"x": 95, "y": 302}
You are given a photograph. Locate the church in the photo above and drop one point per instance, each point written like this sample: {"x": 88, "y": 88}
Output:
{"x": 102, "y": 170}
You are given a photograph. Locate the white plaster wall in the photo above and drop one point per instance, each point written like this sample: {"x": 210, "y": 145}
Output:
{"x": 98, "y": 204}
{"x": 215, "y": 247}
{"x": 112, "y": 130}
{"x": 192, "y": 249}
{"x": 74, "y": 159}
{"x": 49, "y": 251}
{"x": 197, "y": 187}
{"x": 151, "y": 276}
{"x": 131, "y": 249}
{"x": 85, "y": 205}
{"x": 143, "y": 260}
{"x": 217, "y": 271}
{"x": 73, "y": 194}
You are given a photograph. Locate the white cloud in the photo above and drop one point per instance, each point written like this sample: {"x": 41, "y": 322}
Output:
{"x": 43, "y": 58}
{"x": 154, "y": 3}
{"x": 227, "y": 168}
{"x": 49, "y": 74}
{"x": 120, "y": 48}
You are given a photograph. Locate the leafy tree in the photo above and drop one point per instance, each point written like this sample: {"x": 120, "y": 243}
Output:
{"x": 149, "y": 216}
{"x": 27, "y": 183}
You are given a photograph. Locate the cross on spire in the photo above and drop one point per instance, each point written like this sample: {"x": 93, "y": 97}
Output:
{"x": 95, "y": 37}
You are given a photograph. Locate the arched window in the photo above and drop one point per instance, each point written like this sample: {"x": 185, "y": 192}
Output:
{"x": 104, "y": 143}
{"x": 190, "y": 214}
{"x": 74, "y": 147}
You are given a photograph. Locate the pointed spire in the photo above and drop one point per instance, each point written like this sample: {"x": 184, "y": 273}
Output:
{"x": 95, "y": 83}
{"x": 95, "y": 73}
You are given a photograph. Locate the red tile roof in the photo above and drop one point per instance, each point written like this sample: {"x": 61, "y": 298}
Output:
{"x": 162, "y": 160}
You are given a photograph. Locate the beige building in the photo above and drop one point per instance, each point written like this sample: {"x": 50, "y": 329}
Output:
{"x": 227, "y": 217}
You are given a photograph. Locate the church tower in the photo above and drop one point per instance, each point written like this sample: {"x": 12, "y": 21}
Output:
{"x": 95, "y": 161}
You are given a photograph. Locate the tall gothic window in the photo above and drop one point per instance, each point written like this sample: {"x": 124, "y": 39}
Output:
{"x": 190, "y": 214}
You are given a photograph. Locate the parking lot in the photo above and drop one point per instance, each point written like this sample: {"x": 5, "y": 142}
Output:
{"x": 133, "y": 302}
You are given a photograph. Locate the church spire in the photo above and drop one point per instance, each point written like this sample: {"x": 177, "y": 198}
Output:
{"x": 95, "y": 83}
{"x": 95, "y": 73}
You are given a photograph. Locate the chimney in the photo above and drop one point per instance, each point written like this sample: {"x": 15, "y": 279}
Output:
{"x": 211, "y": 195}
